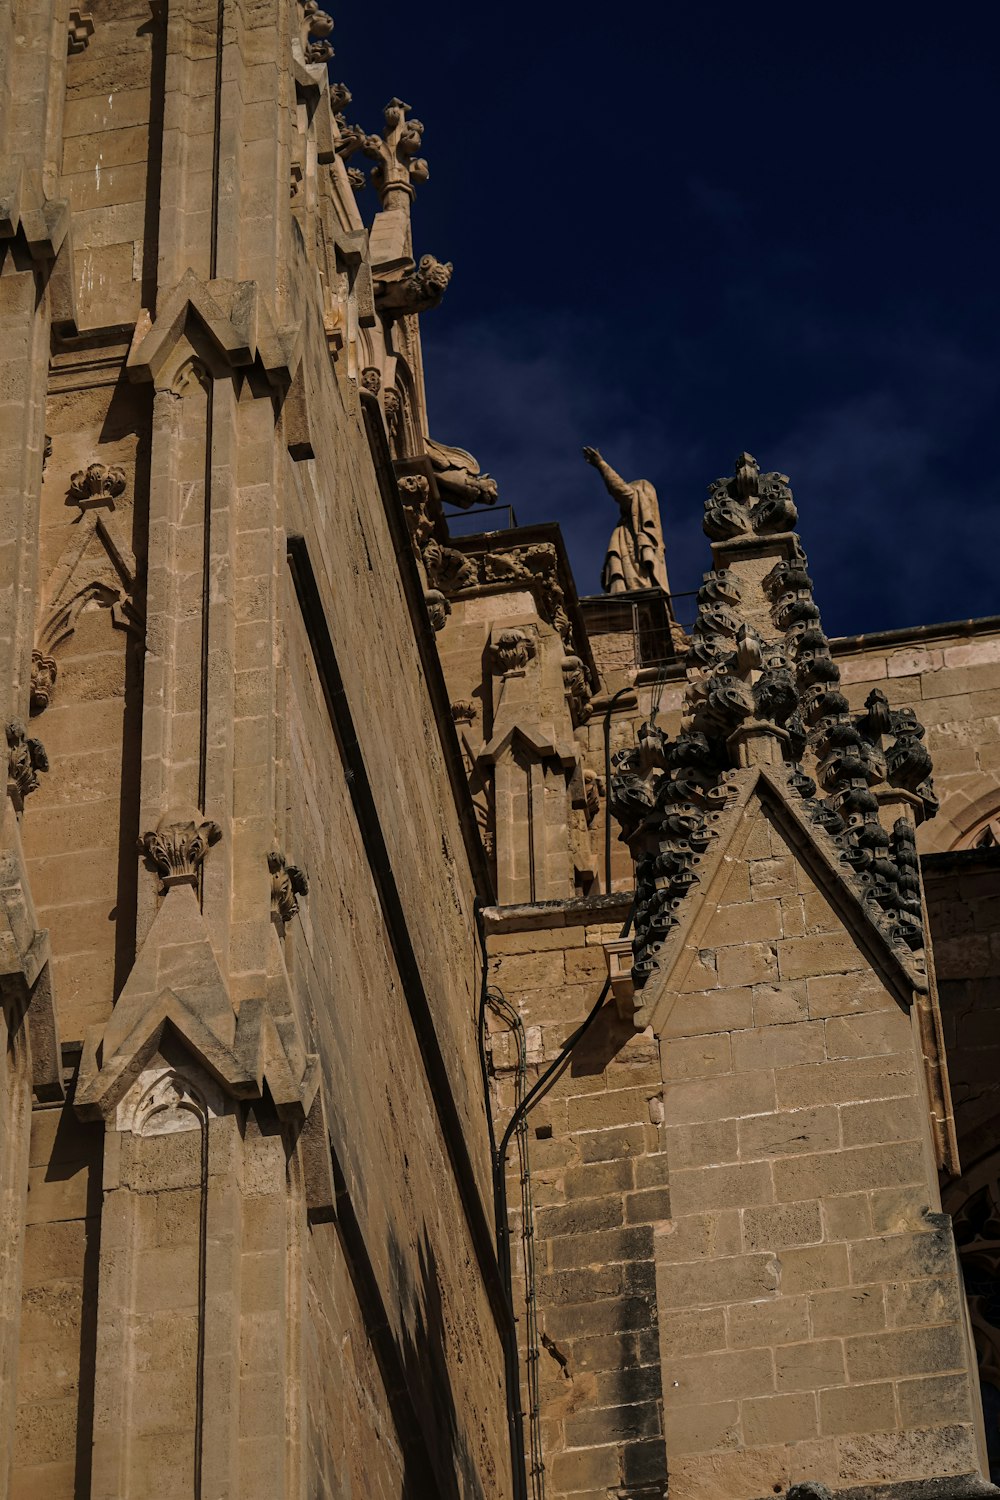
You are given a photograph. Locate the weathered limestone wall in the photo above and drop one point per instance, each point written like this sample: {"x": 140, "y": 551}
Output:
{"x": 809, "y": 1295}
{"x": 598, "y": 1182}
{"x": 111, "y": 143}
{"x": 253, "y": 1254}
{"x": 952, "y": 679}
{"x": 812, "y": 1318}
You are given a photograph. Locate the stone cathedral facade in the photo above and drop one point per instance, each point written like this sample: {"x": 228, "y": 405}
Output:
{"x": 460, "y": 1040}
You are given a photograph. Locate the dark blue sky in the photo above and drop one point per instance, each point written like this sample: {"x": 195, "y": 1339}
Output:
{"x": 680, "y": 231}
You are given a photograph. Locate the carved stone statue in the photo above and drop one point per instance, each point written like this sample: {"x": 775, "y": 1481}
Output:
{"x": 459, "y": 477}
{"x": 417, "y": 291}
{"x": 635, "y": 557}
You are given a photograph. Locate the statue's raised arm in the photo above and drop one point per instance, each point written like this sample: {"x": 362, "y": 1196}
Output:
{"x": 635, "y": 558}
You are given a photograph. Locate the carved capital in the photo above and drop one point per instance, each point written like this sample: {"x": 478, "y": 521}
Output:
{"x": 288, "y": 882}
{"x": 43, "y": 681}
{"x": 26, "y": 758}
{"x": 447, "y": 568}
{"x": 371, "y": 379}
{"x": 97, "y": 484}
{"x": 511, "y": 651}
{"x": 178, "y": 845}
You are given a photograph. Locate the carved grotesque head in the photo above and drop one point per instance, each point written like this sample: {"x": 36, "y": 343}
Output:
{"x": 437, "y": 273}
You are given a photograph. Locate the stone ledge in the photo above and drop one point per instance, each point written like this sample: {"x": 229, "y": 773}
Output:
{"x": 955, "y": 1487}
{"x": 527, "y": 916}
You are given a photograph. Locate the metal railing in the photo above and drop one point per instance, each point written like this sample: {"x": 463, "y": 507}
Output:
{"x": 501, "y": 518}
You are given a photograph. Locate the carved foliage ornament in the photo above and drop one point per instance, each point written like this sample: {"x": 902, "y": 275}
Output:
{"x": 419, "y": 290}
{"x": 26, "y": 758}
{"x": 316, "y": 28}
{"x": 288, "y": 882}
{"x": 97, "y": 484}
{"x": 398, "y": 166}
{"x": 511, "y": 651}
{"x": 749, "y": 503}
{"x": 178, "y": 845}
{"x": 44, "y": 672}
{"x": 537, "y": 565}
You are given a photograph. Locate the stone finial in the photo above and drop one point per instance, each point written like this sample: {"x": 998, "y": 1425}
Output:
{"x": 316, "y": 27}
{"x": 417, "y": 291}
{"x": 511, "y": 651}
{"x": 44, "y": 672}
{"x": 398, "y": 166}
{"x": 26, "y": 758}
{"x": 178, "y": 845}
{"x": 81, "y": 29}
{"x": 288, "y": 882}
{"x": 763, "y": 689}
{"x": 749, "y": 503}
{"x": 464, "y": 711}
{"x": 97, "y": 484}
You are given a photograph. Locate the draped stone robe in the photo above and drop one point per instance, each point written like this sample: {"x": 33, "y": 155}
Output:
{"x": 635, "y": 556}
